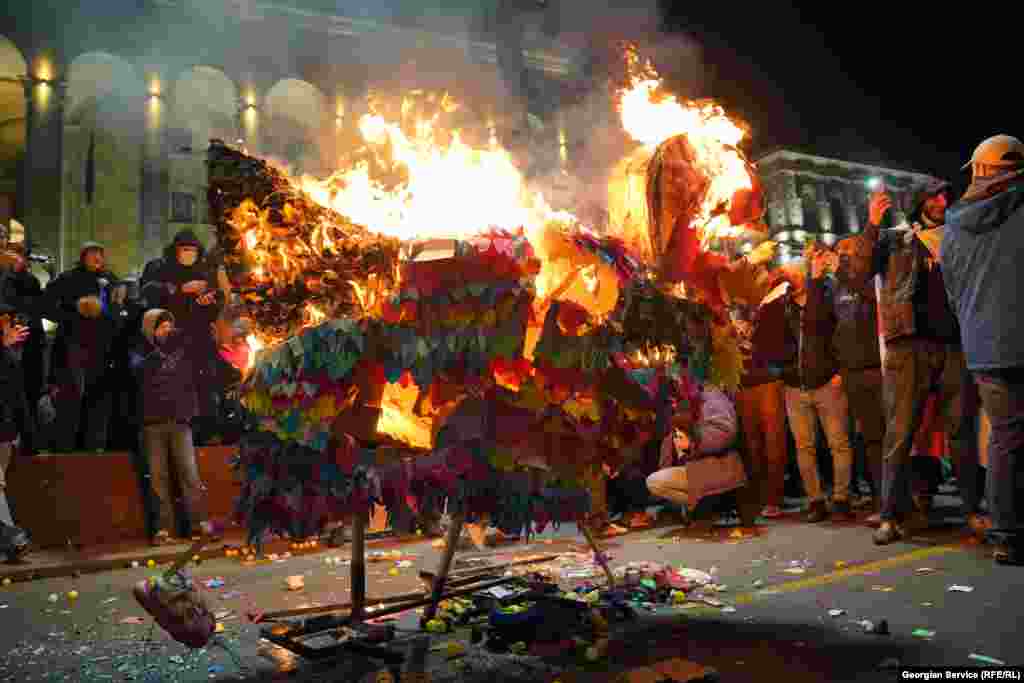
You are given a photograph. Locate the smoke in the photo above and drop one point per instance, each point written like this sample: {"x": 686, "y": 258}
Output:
{"x": 256, "y": 47}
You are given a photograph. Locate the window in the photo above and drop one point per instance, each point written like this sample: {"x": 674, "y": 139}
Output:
{"x": 839, "y": 222}
{"x": 183, "y": 207}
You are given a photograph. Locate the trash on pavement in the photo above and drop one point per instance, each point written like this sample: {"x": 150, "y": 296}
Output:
{"x": 133, "y": 620}
{"x": 836, "y": 612}
{"x": 960, "y": 589}
{"x": 922, "y": 633}
{"x": 217, "y": 582}
{"x": 986, "y": 660}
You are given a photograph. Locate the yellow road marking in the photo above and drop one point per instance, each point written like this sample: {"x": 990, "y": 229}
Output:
{"x": 847, "y": 572}
{"x": 831, "y": 577}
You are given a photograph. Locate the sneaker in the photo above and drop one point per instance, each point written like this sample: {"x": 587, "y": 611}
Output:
{"x": 1008, "y": 555}
{"x": 864, "y": 503}
{"x": 639, "y": 520}
{"x": 887, "y": 533}
{"x": 816, "y": 512}
{"x": 771, "y": 512}
{"x": 161, "y": 538}
{"x": 14, "y": 542}
{"x": 841, "y": 511}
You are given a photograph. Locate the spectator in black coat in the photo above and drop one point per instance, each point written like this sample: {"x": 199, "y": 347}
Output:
{"x": 14, "y": 422}
{"x": 86, "y": 302}
{"x": 184, "y": 284}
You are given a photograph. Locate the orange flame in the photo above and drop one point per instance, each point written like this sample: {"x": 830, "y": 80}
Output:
{"x": 651, "y": 118}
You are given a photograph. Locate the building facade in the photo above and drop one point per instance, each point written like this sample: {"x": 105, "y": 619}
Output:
{"x": 816, "y": 198}
{"x": 106, "y": 112}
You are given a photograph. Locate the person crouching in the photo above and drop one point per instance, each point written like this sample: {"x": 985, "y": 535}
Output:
{"x": 710, "y": 442}
{"x": 169, "y": 400}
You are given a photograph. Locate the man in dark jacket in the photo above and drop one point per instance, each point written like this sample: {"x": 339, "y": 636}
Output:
{"x": 922, "y": 346}
{"x": 167, "y": 393}
{"x": 21, "y": 289}
{"x": 86, "y": 302}
{"x": 814, "y": 388}
{"x": 980, "y": 252}
{"x": 856, "y": 345}
{"x": 184, "y": 284}
{"x": 15, "y": 423}
{"x": 761, "y": 406}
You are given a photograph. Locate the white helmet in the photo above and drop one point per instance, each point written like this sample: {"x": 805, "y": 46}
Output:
{"x": 999, "y": 152}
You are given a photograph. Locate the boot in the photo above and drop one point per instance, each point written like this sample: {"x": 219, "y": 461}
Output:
{"x": 816, "y": 512}
{"x": 14, "y": 542}
{"x": 888, "y": 532}
{"x": 1008, "y": 555}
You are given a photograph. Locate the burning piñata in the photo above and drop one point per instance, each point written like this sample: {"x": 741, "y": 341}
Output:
{"x": 513, "y": 337}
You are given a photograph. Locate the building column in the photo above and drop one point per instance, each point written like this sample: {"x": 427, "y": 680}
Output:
{"x": 43, "y": 170}
{"x": 249, "y": 122}
{"x": 794, "y": 203}
{"x": 154, "y": 206}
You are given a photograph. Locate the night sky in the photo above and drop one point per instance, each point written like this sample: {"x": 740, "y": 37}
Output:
{"x": 915, "y": 89}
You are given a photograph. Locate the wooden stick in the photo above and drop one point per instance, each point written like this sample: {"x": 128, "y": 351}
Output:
{"x": 476, "y": 584}
{"x": 598, "y": 555}
{"x": 454, "y": 533}
{"x": 485, "y": 569}
{"x": 358, "y": 567}
{"x": 460, "y": 582}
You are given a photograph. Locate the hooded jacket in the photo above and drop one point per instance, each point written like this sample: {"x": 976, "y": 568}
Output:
{"x": 167, "y": 388}
{"x": 163, "y": 286}
{"x": 981, "y": 256}
{"x": 86, "y": 340}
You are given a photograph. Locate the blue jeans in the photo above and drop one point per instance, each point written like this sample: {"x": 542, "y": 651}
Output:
{"x": 1002, "y": 396}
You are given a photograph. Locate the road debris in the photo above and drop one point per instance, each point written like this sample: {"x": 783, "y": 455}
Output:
{"x": 986, "y": 660}
{"x": 960, "y": 589}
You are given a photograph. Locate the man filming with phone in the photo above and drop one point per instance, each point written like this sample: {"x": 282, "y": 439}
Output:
{"x": 922, "y": 346}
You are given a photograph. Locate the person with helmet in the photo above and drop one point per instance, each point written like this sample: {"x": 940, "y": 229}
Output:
{"x": 980, "y": 253}
{"x": 922, "y": 350}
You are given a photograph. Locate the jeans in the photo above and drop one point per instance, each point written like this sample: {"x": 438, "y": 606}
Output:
{"x": 1002, "y": 395}
{"x": 863, "y": 390}
{"x": 827, "y": 403}
{"x": 913, "y": 368}
{"x": 761, "y": 410}
{"x": 166, "y": 446}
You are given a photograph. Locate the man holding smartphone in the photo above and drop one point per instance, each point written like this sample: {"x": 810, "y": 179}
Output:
{"x": 922, "y": 346}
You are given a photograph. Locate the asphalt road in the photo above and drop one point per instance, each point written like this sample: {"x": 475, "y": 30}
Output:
{"x": 775, "y": 622}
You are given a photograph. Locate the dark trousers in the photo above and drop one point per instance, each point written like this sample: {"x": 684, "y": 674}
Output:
{"x": 864, "y": 392}
{"x": 913, "y": 369}
{"x": 1002, "y": 395}
{"x": 628, "y": 493}
{"x": 83, "y": 404}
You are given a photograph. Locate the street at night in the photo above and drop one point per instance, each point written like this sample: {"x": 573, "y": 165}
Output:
{"x": 778, "y": 594}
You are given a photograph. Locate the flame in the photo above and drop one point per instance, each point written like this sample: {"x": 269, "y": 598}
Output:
{"x": 447, "y": 188}
{"x": 255, "y": 345}
{"x": 651, "y": 118}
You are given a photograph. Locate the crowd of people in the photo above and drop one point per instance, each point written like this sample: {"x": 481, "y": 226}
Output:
{"x": 896, "y": 340}
{"x": 145, "y": 367}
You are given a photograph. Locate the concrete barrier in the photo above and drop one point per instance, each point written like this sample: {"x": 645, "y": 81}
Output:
{"x": 90, "y": 499}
